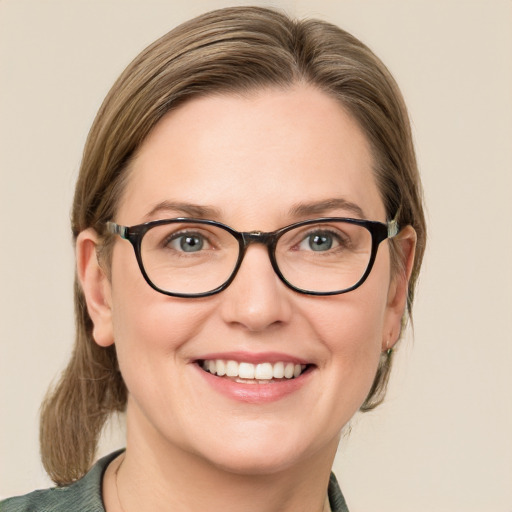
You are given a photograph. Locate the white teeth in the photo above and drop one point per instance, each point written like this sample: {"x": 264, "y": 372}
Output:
{"x": 250, "y": 373}
{"x": 246, "y": 371}
{"x": 263, "y": 371}
{"x": 288, "y": 370}
{"x": 278, "y": 371}
{"x": 221, "y": 367}
{"x": 232, "y": 369}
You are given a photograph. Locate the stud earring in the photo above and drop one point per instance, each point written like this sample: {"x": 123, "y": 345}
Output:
{"x": 389, "y": 350}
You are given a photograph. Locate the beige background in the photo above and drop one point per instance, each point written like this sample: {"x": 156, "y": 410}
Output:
{"x": 443, "y": 440}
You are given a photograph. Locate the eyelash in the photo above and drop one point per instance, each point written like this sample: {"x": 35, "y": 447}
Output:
{"x": 180, "y": 234}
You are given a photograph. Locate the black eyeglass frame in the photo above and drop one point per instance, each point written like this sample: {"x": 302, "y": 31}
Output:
{"x": 379, "y": 232}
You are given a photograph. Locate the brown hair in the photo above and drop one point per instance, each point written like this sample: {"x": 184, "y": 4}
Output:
{"x": 226, "y": 51}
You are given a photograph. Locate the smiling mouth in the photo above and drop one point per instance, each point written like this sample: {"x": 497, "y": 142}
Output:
{"x": 249, "y": 373}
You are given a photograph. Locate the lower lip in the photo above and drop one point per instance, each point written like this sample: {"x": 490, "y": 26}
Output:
{"x": 255, "y": 393}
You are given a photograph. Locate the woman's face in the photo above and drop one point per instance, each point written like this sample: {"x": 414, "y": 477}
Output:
{"x": 258, "y": 162}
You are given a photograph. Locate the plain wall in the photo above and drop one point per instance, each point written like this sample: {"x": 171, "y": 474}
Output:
{"x": 442, "y": 442}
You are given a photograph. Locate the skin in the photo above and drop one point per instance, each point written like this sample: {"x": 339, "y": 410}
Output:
{"x": 260, "y": 155}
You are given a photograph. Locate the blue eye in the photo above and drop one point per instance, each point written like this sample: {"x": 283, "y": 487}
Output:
{"x": 188, "y": 242}
{"x": 319, "y": 241}
{"x": 191, "y": 243}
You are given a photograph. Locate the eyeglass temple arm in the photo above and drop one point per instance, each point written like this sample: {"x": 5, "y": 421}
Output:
{"x": 393, "y": 228}
{"x": 116, "y": 229}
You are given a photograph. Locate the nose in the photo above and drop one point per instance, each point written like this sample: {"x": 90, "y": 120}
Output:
{"x": 256, "y": 300}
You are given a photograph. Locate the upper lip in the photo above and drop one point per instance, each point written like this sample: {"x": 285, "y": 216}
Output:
{"x": 253, "y": 357}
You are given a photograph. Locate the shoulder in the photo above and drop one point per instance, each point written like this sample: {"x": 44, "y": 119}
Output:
{"x": 336, "y": 499}
{"x": 84, "y": 495}
{"x": 58, "y": 499}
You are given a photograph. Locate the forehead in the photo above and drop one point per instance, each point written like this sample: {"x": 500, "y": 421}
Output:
{"x": 253, "y": 156}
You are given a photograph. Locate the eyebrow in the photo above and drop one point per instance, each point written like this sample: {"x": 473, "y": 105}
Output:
{"x": 322, "y": 207}
{"x": 297, "y": 210}
{"x": 186, "y": 209}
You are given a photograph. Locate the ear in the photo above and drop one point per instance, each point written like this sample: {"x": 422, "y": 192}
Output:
{"x": 96, "y": 287}
{"x": 398, "y": 288}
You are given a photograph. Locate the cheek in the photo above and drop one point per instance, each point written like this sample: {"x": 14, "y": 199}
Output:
{"x": 352, "y": 335}
{"x": 351, "y": 328}
{"x": 148, "y": 326}
{"x": 350, "y": 323}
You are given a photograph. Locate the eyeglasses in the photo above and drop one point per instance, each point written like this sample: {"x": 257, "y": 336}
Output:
{"x": 196, "y": 258}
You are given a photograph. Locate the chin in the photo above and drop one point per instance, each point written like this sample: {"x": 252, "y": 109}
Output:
{"x": 253, "y": 453}
{"x": 257, "y": 462}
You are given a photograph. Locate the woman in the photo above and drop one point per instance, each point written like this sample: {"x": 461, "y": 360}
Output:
{"x": 249, "y": 230}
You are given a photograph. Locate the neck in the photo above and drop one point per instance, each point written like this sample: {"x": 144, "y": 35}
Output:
{"x": 158, "y": 476}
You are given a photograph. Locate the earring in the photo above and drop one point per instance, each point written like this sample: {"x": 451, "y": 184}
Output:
{"x": 389, "y": 350}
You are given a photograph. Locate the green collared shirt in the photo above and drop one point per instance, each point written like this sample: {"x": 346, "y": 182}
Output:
{"x": 84, "y": 495}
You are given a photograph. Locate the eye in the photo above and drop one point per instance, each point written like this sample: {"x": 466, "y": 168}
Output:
{"x": 319, "y": 241}
{"x": 187, "y": 242}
